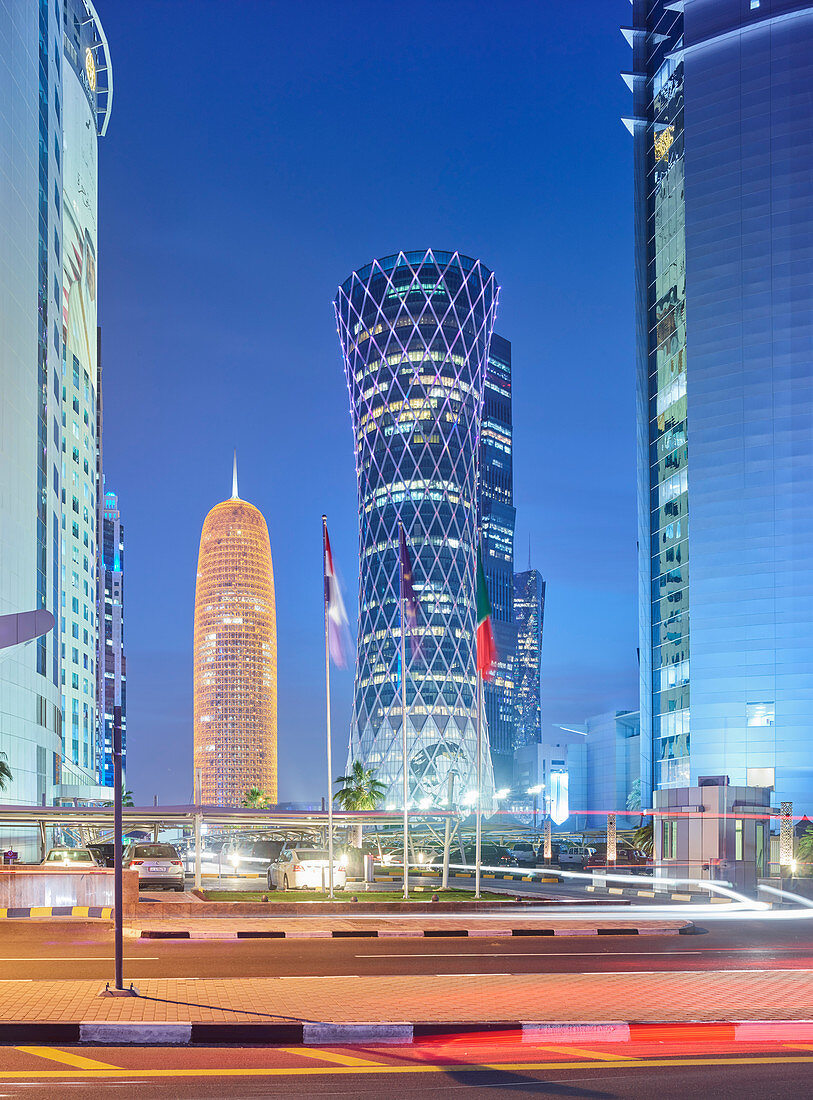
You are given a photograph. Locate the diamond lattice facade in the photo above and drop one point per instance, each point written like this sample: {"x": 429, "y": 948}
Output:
{"x": 415, "y": 330}
{"x": 235, "y": 656}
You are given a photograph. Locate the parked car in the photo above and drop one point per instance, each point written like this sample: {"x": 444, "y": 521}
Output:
{"x": 105, "y": 854}
{"x": 523, "y": 853}
{"x": 574, "y": 856}
{"x": 628, "y": 860}
{"x": 157, "y": 865}
{"x": 491, "y": 855}
{"x": 423, "y": 857}
{"x": 69, "y": 859}
{"x": 305, "y": 869}
{"x": 250, "y": 856}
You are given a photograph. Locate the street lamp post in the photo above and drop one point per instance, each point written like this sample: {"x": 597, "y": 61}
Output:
{"x": 536, "y": 791}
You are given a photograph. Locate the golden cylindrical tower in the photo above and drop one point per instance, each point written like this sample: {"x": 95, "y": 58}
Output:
{"x": 235, "y": 656}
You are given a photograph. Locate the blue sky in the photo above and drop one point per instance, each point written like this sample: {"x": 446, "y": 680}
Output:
{"x": 257, "y": 153}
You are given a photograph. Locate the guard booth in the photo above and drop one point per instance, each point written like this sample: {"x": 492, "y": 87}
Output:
{"x": 714, "y": 830}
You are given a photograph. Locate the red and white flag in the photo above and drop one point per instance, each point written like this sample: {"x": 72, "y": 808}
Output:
{"x": 337, "y": 632}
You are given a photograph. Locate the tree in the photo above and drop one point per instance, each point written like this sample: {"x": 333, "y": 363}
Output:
{"x": 126, "y": 799}
{"x": 634, "y": 799}
{"x": 644, "y": 838}
{"x": 361, "y": 791}
{"x": 255, "y": 799}
{"x": 5, "y": 772}
{"x": 804, "y": 850}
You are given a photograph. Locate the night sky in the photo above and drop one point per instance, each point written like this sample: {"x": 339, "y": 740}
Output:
{"x": 259, "y": 151}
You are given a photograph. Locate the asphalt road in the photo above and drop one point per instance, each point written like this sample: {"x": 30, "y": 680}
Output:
{"x": 31, "y": 950}
{"x": 505, "y": 1069}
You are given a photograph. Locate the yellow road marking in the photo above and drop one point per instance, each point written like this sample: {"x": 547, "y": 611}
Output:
{"x": 329, "y": 1056}
{"x": 599, "y": 1055}
{"x": 69, "y": 1059}
{"x": 499, "y": 1067}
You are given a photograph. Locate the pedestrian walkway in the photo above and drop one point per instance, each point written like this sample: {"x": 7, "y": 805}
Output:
{"x": 418, "y": 999}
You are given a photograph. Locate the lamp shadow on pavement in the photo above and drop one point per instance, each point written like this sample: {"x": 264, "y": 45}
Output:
{"x": 513, "y": 1081}
{"x": 233, "y": 1011}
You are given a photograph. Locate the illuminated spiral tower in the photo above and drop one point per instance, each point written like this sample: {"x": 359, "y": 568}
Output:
{"x": 235, "y": 655}
{"x": 415, "y": 330}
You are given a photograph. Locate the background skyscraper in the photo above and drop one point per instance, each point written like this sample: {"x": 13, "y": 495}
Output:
{"x": 235, "y": 655}
{"x": 114, "y": 691}
{"x": 55, "y": 99}
{"x": 529, "y": 615}
{"x": 497, "y": 518}
{"x": 723, "y": 128}
{"x": 415, "y": 330}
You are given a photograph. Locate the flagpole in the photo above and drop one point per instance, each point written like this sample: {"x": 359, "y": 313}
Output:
{"x": 327, "y": 693}
{"x": 404, "y": 712}
{"x": 479, "y": 825}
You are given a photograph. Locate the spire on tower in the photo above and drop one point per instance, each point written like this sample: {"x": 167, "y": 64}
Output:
{"x": 234, "y": 495}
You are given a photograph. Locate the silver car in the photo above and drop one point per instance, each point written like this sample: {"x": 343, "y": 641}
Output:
{"x": 70, "y": 859}
{"x": 157, "y": 865}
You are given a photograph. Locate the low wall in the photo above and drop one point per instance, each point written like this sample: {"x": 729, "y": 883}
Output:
{"x": 40, "y": 886}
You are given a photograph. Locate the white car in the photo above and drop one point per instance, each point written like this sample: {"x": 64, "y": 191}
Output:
{"x": 157, "y": 865}
{"x": 70, "y": 859}
{"x": 305, "y": 869}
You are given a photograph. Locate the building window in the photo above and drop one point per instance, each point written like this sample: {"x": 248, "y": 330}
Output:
{"x": 760, "y": 714}
{"x": 738, "y": 839}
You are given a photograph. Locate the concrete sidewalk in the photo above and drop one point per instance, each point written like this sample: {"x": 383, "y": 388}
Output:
{"x": 448, "y": 1000}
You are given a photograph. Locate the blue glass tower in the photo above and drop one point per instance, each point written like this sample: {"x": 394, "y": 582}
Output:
{"x": 415, "y": 329}
{"x": 723, "y": 129}
{"x": 497, "y": 519}
{"x": 529, "y": 615}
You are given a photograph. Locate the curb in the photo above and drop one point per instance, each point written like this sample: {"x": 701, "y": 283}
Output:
{"x": 427, "y": 933}
{"x": 663, "y": 895}
{"x": 105, "y": 912}
{"x": 334, "y": 1034}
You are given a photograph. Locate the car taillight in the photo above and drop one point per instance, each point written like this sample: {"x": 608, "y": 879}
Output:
{"x": 297, "y": 867}
{"x": 176, "y": 863}
{"x": 136, "y": 862}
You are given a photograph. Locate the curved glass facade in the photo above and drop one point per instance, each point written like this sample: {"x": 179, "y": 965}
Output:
{"x": 724, "y": 216}
{"x": 235, "y": 656}
{"x": 415, "y": 330}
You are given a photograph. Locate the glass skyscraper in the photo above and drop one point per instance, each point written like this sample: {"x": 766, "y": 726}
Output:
{"x": 415, "y": 330}
{"x": 112, "y": 658}
{"x": 529, "y": 615}
{"x": 497, "y": 518}
{"x": 723, "y": 129}
{"x": 55, "y": 101}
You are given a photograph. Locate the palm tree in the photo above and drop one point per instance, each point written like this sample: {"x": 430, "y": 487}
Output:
{"x": 644, "y": 838}
{"x": 361, "y": 791}
{"x": 804, "y": 850}
{"x": 5, "y": 772}
{"x": 126, "y": 799}
{"x": 255, "y": 799}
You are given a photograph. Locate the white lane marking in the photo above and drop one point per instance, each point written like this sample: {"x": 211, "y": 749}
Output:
{"x": 526, "y": 954}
